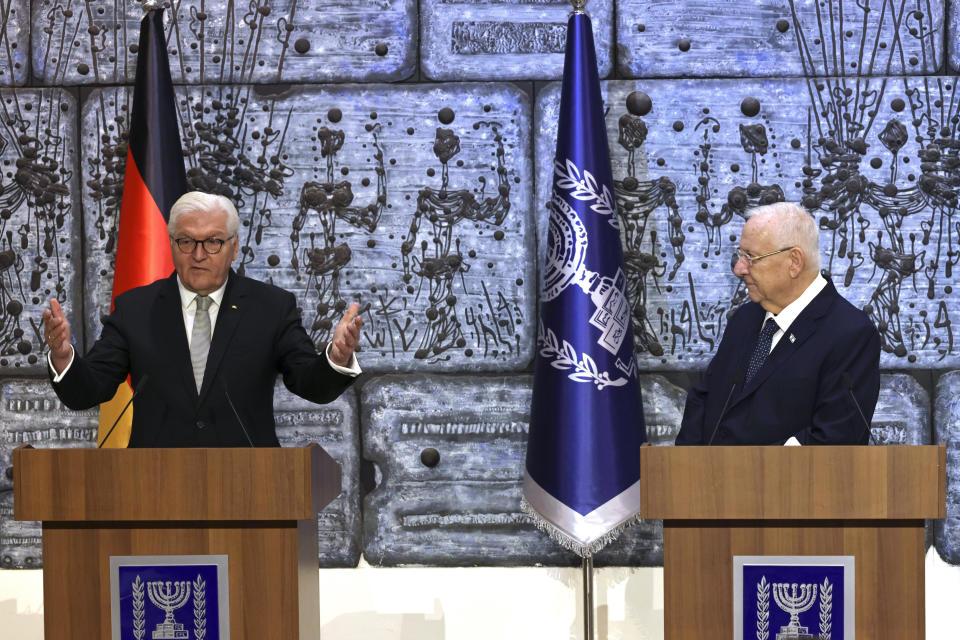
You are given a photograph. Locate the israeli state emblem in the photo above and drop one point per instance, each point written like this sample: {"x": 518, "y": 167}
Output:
{"x": 169, "y": 597}
{"x": 793, "y": 597}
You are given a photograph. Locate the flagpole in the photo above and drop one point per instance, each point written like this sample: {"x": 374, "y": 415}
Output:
{"x": 586, "y": 564}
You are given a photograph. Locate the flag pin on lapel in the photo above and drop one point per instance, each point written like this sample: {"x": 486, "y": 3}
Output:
{"x": 233, "y": 306}
{"x": 793, "y": 338}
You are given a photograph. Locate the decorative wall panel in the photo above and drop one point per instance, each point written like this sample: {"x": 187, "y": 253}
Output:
{"x": 946, "y": 422}
{"x": 505, "y": 39}
{"x": 31, "y": 414}
{"x": 449, "y": 455}
{"x": 902, "y": 415}
{"x": 14, "y": 42}
{"x": 39, "y": 220}
{"x": 953, "y": 37}
{"x": 263, "y": 41}
{"x": 336, "y": 428}
{"x": 696, "y": 38}
{"x": 412, "y": 200}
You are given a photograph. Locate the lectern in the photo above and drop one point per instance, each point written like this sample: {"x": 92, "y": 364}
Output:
{"x": 718, "y": 503}
{"x": 257, "y": 507}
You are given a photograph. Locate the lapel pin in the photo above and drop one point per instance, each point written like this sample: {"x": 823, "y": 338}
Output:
{"x": 233, "y": 306}
{"x": 793, "y": 338}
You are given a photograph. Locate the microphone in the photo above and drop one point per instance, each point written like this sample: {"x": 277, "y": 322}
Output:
{"x": 136, "y": 390}
{"x": 235, "y": 413}
{"x": 737, "y": 379}
{"x": 866, "y": 425}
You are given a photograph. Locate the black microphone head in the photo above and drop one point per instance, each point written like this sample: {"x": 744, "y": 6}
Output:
{"x": 738, "y": 376}
{"x": 846, "y": 380}
{"x": 142, "y": 383}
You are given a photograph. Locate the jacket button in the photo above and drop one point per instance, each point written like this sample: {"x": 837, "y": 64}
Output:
{"x": 724, "y": 432}
{"x": 201, "y": 424}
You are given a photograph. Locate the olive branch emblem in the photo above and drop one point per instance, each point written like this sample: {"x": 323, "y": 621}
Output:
{"x": 199, "y": 608}
{"x": 139, "y": 621}
{"x": 826, "y": 606}
{"x": 763, "y": 609}
{"x": 586, "y": 189}
{"x": 566, "y": 357}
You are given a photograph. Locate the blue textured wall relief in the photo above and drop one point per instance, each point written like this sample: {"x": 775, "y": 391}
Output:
{"x": 31, "y": 415}
{"x": 449, "y": 454}
{"x": 902, "y": 415}
{"x": 946, "y": 420}
{"x": 728, "y": 38}
{"x": 408, "y": 199}
{"x": 263, "y": 41}
{"x": 953, "y": 37}
{"x": 872, "y": 160}
{"x": 335, "y": 427}
{"x": 14, "y": 43}
{"x": 39, "y": 220}
{"x": 505, "y": 39}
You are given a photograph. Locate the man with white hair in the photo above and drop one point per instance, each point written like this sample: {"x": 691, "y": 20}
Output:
{"x": 798, "y": 360}
{"x": 209, "y": 341}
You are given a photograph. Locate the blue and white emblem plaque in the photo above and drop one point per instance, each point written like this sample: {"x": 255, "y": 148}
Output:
{"x": 793, "y": 598}
{"x": 169, "y": 597}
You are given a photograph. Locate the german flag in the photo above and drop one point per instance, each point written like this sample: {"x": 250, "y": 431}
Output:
{"x": 154, "y": 179}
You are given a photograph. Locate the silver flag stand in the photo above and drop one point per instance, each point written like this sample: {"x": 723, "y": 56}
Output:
{"x": 586, "y": 565}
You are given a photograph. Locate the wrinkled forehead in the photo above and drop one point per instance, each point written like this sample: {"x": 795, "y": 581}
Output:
{"x": 758, "y": 232}
{"x": 201, "y": 224}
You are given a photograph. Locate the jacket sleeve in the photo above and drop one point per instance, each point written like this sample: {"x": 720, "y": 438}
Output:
{"x": 305, "y": 372}
{"x": 836, "y": 419}
{"x": 94, "y": 378}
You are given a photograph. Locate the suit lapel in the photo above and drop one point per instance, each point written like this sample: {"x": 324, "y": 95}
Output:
{"x": 228, "y": 319}
{"x": 792, "y": 339}
{"x": 171, "y": 331}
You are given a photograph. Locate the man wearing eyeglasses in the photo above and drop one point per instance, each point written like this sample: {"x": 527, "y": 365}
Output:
{"x": 211, "y": 343}
{"x": 798, "y": 360}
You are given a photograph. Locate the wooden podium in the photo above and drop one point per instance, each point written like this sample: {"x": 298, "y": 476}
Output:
{"x": 257, "y": 506}
{"x": 721, "y": 502}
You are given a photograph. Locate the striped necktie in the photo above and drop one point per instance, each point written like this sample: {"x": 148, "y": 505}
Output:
{"x": 200, "y": 339}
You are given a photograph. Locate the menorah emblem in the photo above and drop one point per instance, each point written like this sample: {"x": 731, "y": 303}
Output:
{"x": 169, "y": 596}
{"x": 787, "y": 598}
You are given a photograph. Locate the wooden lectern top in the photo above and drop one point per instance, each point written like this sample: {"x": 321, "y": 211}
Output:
{"x": 788, "y": 483}
{"x": 173, "y": 484}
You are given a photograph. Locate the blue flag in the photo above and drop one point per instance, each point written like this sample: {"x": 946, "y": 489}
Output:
{"x": 582, "y": 481}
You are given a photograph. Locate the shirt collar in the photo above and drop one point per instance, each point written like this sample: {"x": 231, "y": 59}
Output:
{"x": 790, "y": 312}
{"x": 187, "y": 297}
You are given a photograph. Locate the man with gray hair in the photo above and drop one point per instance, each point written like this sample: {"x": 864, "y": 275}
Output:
{"x": 798, "y": 360}
{"x": 206, "y": 342}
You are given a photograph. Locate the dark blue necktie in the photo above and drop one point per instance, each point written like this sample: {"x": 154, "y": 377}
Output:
{"x": 762, "y": 350}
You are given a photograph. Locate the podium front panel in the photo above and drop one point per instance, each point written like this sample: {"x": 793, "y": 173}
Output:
{"x": 889, "y": 571}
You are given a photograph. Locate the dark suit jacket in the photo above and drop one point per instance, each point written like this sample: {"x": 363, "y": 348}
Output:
{"x": 258, "y": 333}
{"x": 800, "y": 389}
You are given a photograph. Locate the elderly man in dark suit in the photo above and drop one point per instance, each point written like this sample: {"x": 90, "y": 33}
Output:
{"x": 798, "y": 360}
{"x": 207, "y": 338}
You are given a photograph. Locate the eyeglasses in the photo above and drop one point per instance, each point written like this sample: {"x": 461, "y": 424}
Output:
{"x": 751, "y": 260}
{"x": 211, "y": 246}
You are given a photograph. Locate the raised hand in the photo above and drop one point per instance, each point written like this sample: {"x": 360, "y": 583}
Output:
{"x": 56, "y": 331}
{"x": 346, "y": 337}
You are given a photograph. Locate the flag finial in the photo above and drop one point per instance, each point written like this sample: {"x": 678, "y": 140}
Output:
{"x": 578, "y": 5}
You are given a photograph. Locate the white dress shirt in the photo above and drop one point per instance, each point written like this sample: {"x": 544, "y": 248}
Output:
{"x": 790, "y": 312}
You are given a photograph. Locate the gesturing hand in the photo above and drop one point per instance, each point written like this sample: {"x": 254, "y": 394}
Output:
{"x": 346, "y": 337}
{"x": 56, "y": 330}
